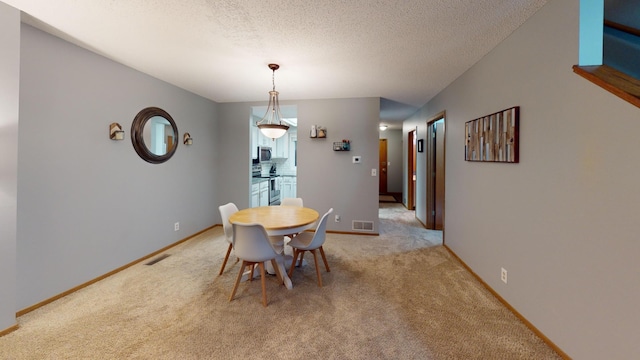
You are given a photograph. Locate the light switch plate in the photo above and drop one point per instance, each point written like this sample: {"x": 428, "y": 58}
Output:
{"x": 357, "y": 159}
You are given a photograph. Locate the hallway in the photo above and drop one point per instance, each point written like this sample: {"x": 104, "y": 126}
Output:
{"x": 395, "y": 219}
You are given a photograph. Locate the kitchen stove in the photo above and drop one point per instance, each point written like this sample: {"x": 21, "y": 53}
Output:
{"x": 274, "y": 186}
{"x": 274, "y": 182}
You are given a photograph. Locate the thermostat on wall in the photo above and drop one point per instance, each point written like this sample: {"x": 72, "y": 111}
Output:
{"x": 356, "y": 159}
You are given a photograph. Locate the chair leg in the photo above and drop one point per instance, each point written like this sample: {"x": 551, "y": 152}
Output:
{"x": 226, "y": 257}
{"x": 253, "y": 267}
{"x": 264, "y": 284}
{"x": 301, "y": 257}
{"x": 235, "y": 287}
{"x": 324, "y": 258}
{"x": 315, "y": 260}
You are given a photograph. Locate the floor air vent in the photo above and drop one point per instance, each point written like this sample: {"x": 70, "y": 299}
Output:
{"x": 158, "y": 259}
{"x": 362, "y": 225}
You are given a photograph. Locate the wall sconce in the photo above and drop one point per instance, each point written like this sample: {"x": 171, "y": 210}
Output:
{"x": 187, "y": 139}
{"x": 116, "y": 132}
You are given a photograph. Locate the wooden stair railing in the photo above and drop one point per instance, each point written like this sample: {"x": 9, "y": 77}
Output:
{"x": 616, "y": 82}
{"x": 612, "y": 80}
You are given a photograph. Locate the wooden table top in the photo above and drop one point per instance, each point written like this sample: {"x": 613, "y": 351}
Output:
{"x": 276, "y": 217}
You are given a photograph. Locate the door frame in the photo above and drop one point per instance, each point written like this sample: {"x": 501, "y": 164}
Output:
{"x": 434, "y": 189}
{"x": 411, "y": 169}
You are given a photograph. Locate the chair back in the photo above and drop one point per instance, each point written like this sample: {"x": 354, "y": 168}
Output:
{"x": 226, "y": 211}
{"x": 251, "y": 243}
{"x": 321, "y": 232}
{"x": 291, "y": 202}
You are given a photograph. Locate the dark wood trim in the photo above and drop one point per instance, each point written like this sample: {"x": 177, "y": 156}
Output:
{"x": 72, "y": 290}
{"x": 9, "y": 330}
{"x": 621, "y": 27}
{"x": 612, "y": 80}
{"x": 442, "y": 115}
{"x": 511, "y": 308}
{"x": 411, "y": 167}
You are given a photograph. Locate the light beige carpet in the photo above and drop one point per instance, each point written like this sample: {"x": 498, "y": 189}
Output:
{"x": 394, "y": 296}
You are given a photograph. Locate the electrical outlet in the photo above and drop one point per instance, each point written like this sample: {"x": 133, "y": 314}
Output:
{"x": 337, "y": 218}
{"x": 503, "y": 275}
{"x": 176, "y": 226}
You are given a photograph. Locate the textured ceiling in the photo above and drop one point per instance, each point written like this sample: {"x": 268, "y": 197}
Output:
{"x": 402, "y": 51}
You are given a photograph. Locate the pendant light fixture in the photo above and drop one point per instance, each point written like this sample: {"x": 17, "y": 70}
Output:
{"x": 271, "y": 124}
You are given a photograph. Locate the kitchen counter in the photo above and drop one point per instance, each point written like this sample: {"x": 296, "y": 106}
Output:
{"x": 256, "y": 180}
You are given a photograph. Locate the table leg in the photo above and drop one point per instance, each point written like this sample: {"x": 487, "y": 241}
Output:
{"x": 247, "y": 274}
{"x": 281, "y": 262}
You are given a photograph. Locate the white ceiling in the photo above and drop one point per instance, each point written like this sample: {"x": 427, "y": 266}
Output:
{"x": 404, "y": 51}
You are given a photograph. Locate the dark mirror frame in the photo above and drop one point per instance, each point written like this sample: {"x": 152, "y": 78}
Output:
{"x": 137, "y": 139}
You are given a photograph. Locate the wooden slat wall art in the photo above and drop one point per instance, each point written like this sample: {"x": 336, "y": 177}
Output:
{"x": 493, "y": 137}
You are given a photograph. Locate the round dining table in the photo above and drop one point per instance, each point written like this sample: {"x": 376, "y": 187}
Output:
{"x": 278, "y": 221}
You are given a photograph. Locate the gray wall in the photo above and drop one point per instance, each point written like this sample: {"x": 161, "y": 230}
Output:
{"x": 563, "y": 221}
{"x": 234, "y": 160}
{"x": 395, "y": 146}
{"x": 9, "y": 88}
{"x": 326, "y": 178}
{"x": 87, "y": 204}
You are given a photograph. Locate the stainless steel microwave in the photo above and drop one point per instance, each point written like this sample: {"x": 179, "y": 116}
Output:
{"x": 264, "y": 154}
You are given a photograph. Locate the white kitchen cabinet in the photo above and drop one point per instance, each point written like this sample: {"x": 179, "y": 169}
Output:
{"x": 255, "y": 195}
{"x": 294, "y": 186}
{"x": 288, "y": 187}
{"x": 266, "y": 141}
{"x": 260, "y": 194}
{"x": 281, "y": 147}
{"x": 293, "y": 144}
{"x": 264, "y": 193}
{"x": 254, "y": 141}
{"x": 285, "y": 187}
{"x": 263, "y": 140}
{"x": 258, "y": 139}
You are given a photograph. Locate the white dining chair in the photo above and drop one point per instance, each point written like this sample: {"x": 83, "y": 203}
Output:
{"x": 291, "y": 202}
{"x": 251, "y": 244}
{"x": 311, "y": 242}
{"x": 226, "y": 211}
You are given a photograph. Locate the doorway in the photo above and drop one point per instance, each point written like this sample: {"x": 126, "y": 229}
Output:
{"x": 383, "y": 166}
{"x": 411, "y": 170}
{"x": 435, "y": 162}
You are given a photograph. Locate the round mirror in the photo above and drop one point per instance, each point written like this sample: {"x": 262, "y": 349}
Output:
{"x": 154, "y": 135}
